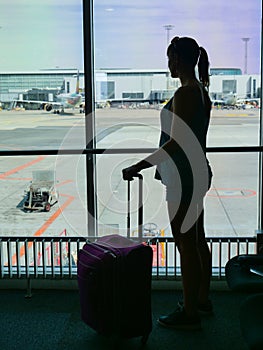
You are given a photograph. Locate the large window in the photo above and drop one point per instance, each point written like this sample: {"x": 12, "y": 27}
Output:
{"x": 130, "y": 48}
{"x": 229, "y": 86}
{"x": 42, "y": 58}
{"x": 41, "y": 49}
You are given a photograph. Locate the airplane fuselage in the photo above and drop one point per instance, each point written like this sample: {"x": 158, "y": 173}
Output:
{"x": 69, "y": 101}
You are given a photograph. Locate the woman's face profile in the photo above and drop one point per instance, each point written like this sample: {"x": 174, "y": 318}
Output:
{"x": 173, "y": 65}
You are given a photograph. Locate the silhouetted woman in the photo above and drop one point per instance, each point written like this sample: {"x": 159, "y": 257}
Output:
{"x": 183, "y": 168}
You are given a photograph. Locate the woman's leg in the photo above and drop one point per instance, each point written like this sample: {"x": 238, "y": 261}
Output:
{"x": 188, "y": 317}
{"x": 189, "y": 256}
{"x": 206, "y": 262}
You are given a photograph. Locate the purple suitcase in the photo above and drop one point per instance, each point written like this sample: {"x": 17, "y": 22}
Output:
{"x": 114, "y": 279}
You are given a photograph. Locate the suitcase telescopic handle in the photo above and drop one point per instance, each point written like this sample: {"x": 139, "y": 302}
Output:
{"x": 140, "y": 208}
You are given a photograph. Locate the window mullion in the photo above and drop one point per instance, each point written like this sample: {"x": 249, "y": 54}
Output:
{"x": 89, "y": 114}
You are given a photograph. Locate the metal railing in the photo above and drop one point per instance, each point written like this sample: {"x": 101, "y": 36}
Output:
{"x": 56, "y": 257}
{"x": 222, "y": 249}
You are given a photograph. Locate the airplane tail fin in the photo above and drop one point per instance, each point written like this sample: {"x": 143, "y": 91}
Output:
{"x": 77, "y": 84}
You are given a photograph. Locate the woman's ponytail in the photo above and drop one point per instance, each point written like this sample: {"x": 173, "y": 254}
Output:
{"x": 203, "y": 67}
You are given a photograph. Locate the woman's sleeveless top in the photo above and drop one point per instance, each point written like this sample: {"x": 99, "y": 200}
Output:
{"x": 167, "y": 171}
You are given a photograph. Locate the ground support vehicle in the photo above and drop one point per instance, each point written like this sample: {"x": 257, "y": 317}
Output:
{"x": 41, "y": 194}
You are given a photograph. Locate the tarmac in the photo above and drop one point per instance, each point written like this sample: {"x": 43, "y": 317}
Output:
{"x": 231, "y": 204}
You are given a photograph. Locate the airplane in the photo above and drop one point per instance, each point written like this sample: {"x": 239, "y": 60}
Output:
{"x": 218, "y": 103}
{"x": 64, "y": 100}
{"x": 231, "y": 100}
{"x": 227, "y": 100}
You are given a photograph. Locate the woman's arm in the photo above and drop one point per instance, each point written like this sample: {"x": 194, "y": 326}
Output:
{"x": 183, "y": 108}
{"x": 153, "y": 159}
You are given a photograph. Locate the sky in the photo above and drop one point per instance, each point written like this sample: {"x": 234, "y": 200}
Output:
{"x": 37, "y": 34}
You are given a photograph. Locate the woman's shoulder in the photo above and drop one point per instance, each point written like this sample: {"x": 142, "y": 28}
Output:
{"x": 190, "y": 92}
{"x": 185, "y": 93}
{"x": 188, "y": 89}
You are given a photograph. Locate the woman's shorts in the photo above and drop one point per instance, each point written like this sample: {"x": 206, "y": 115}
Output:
{"x": 184, "y": 194}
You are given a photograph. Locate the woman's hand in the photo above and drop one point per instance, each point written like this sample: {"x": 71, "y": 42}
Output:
{"x": 129, "y": 173}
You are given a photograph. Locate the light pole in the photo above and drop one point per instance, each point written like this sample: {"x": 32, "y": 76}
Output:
{"x": 168, "y": 28}
{"x": 246, "y": 40}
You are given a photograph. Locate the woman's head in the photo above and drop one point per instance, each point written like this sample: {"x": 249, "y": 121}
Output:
{"x": 184, "y": 54}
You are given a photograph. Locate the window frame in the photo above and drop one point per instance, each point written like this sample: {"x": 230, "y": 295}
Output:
{"x": 90, "y": 151}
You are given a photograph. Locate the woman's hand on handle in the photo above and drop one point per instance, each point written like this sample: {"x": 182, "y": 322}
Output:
{"x": 132, "y": 171}
{"x": 129, "y": 173}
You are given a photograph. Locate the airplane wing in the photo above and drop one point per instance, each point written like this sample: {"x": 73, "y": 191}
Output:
{"x": 71, "y": 100}
{"x": 47, "y": 105}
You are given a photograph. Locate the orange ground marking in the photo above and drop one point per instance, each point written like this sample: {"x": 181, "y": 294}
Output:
{"x": 21, "y": 167}
{"x": 19, "y": 178}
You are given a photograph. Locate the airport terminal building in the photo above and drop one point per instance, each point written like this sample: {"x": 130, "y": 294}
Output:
{"x": 157, "y": 85}
{"x": 153, "y": 85}
{"x": 44, "y": 84}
